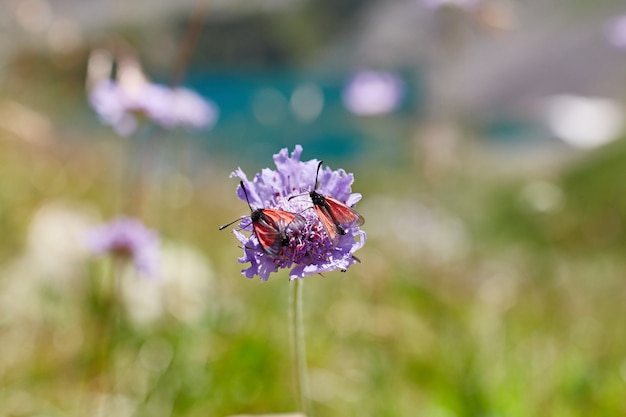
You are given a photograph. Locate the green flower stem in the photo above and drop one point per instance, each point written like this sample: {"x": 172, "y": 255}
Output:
{"x": 298, "y": 347}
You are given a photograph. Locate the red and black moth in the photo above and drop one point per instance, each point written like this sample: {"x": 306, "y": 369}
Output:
{"x": 271, "y": 226}
{"x": 334, "y": 215}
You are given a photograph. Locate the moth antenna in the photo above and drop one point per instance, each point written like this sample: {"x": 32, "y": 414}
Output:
{"x": 246, "y": 194}
{"x": 297, "y": 195}
{"x": 318, "y": 173}
{"x": 316, "y": 178}
{"x": 228, "y": 224}
{"x": 234, "y": 221}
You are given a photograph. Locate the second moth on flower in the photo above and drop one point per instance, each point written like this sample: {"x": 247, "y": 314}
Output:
{"x": 310, "y": 249}
{"x": 336, "y": 217}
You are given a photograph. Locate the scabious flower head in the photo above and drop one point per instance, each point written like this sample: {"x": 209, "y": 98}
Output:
{"x": 369, "y": 93}
{"x": 127, "y": 238}
{"x": 124, "y": 105}
{"x": 310, "y": 249}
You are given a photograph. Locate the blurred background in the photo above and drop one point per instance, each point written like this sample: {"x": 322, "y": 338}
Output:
{"x": 487, "y": 139}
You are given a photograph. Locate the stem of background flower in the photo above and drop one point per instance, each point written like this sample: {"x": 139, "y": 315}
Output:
{"x": 107, "y": 331}
{"x": 117, "y": 266}
{"x": 135, "y": 172}
{"x": 298, "y": 347}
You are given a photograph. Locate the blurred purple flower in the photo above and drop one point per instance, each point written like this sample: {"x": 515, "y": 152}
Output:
{"x": 127, "y": 238}
{"x": 123, "y": 105}
{"x": 435, "y": 4}
{"x": 188, "y": 109}
{"x": 310, "y": 250}
{"x": 615, "y": 31}
{"x": 370, "y": 93}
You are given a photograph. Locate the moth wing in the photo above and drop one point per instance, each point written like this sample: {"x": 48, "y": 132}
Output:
{"x": 327, "y": 222}
{"x": 298, "y": 222}
{"x": 268, "y": 235}
{"x": 271, "y": 229}
{"x": 344, "y": 214}
{"x": 282, "y": 220}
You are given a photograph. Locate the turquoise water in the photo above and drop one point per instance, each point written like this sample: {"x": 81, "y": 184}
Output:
{"x": 256, "y": 117}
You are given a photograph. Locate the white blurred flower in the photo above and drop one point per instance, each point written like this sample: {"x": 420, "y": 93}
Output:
{"x": 584, "y": 122}
{"x": 52, "y": 260}
{"x": 183, "y": 288}
{"x": 55, "y": 240}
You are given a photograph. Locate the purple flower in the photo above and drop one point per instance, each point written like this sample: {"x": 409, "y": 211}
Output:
{"x": 373, "y": 92}
{"x": 127, "y": 238}
{"x": 124, "y": 105}
{"x": 310, "y": 250}
{"x": 186, "y": 108}
{"x": 615, "y": 30}
{"x": 435, "y": 4}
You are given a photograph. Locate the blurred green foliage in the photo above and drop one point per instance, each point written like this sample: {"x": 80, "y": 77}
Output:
{"x": 479, "y": 294}
{"x": 524, "y": 321}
